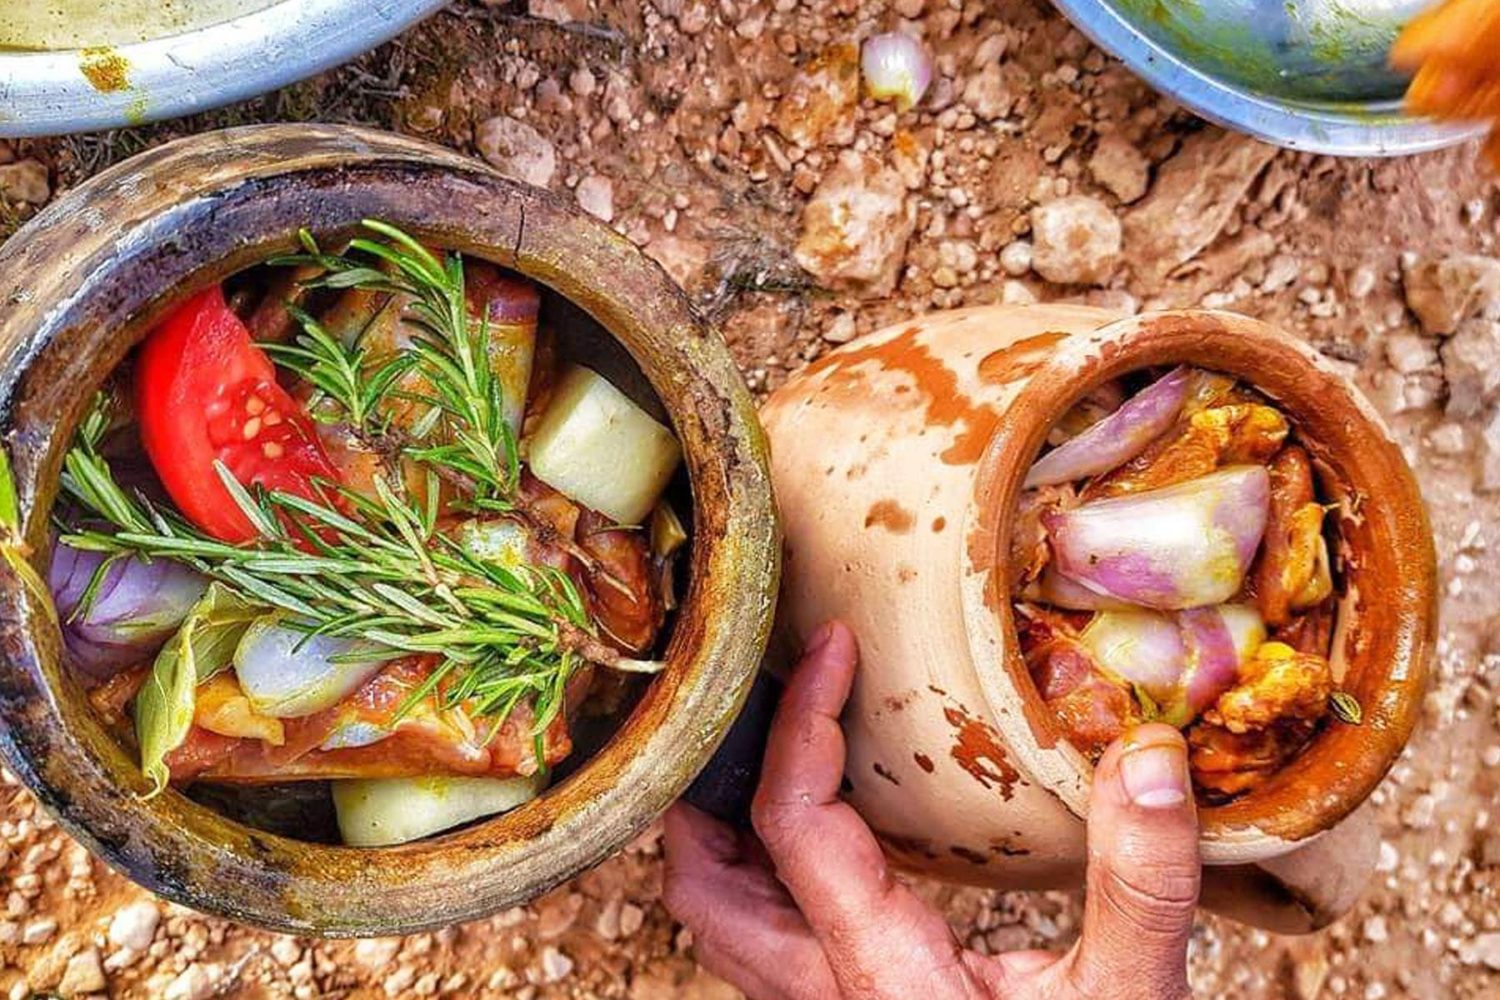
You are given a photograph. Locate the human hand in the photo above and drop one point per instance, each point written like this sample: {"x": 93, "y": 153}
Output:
{"x": 809, "y": 909}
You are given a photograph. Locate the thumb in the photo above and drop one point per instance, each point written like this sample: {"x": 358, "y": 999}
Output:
{"x": 1143, "y": 870}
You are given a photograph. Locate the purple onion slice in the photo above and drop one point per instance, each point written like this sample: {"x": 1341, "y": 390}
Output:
{"x": 1182, "y": 546}
{"x": 137, "y": 605}
{"x": 1143, "y": 648}
{"x": 1217, "y": 641}
{"x": 1117, "y": 438}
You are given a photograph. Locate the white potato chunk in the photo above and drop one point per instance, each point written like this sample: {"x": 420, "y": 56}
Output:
{"x": 598, "y": 448}
{"x": 379, "y": 812}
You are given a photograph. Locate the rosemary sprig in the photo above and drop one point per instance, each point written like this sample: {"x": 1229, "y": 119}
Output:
{"x": 464, "y": 430}
{"x": 344, "y": 374}
{"x": 504, "y": 636}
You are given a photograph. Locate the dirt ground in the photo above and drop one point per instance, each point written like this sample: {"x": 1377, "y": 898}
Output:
{"x": 723, "y": 137}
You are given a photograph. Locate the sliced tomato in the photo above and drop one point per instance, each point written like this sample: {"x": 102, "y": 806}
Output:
{"x": 205, "y": 393}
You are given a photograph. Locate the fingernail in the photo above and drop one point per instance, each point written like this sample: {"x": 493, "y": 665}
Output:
{"x": 1155, "y": 775}
{"x": 820, "y": 637}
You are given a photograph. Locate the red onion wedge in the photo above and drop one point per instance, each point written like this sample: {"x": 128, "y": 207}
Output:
{"x": 1143, "y": 648}
{"x": 1059, "y": 591}
{"x": 136, "y": 606}
{"x": 1117, "y": 438}
{"x": 896, "y": 67}
{"x": 1182, "y": 546}
{"x": 1217, "y": 641}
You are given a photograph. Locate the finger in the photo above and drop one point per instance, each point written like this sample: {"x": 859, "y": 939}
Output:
{"x": 1143, "y": 872}
{"x": 880, "y": 939}
{"x": 746, "y": 929}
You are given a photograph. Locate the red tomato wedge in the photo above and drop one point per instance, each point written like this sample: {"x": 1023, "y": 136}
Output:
{"x": 206, "y": 393}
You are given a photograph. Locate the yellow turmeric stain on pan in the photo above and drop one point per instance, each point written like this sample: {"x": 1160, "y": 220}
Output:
{"x": 105, "y": 69}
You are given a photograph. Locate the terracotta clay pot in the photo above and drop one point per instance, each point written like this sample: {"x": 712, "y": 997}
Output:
{"x": 898, "y": 462}
{"x": 85, "y": 281}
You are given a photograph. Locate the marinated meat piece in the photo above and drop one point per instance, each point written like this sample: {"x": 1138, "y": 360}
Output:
{"x": 1293, "y": 570}
{"x": 1225, "y": 764}
{"x": 1309, "y": 632}
{"x": 221, "y": 707}
{"x": 623, "y": 598}
{"x": 1029, "y": 552}
{"x": 1093, "y": 710}
{"x": 1277, "y": 684}
{"x": 1234, "y": 434}
{"x": 359, "y": 739}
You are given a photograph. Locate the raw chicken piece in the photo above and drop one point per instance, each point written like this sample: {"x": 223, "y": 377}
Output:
{"x": 1277, "y": 684}
{"x": 1293, "y": 570}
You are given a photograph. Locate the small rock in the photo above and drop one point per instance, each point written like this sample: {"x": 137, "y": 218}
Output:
{"x": 1120, "y": 168}
{"x": 1281, "y": 271}
{"x": 82, "y": 975}
{"x": 1016, "y": 293}
{"x": 856, "y": 226}
{"x": 24, "y": 183}
{"x": 841, "y": 330}
{"x": 1471, "y": 366}
{"x": 1361, "y": 282}
{"x": 38, "y": 930}
{"x": 818, "y": 105}
{"x": 559, "y": 11}
{"x": 1015, "y": 259}
{"x": 516, "y": 150}
{"x": 196, "y": 982}
{"x": 376, "y": 953}
{"x": 1489, "y": 482}
{"x": 582, "y": 81}
{"x": 1309, "y": 973}
{"x": 684, "y": 259}
{"x": 632, "y": 918}
{"x": 987, "y": 94}
{"x": 1389, "y": 858}
{"x": 1076, "y": 240}
{"x": 1375, "y": 930}
{"x": 398, "y": 982}
{"x": 1421, "y": 814}
{"x": 556, "y": 966}
{"x": 1449, "y": 439}
{"x": 134, "y": 924}
{"x": 1482, "y": 950}
{"x": 1410, "y": 352}
{"x": 596, "y": 196}
{"x": 1445, "y": 291}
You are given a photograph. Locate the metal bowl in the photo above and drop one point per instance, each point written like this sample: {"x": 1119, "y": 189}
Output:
{"x": 1305, "y": 74}
{"x": 51, "y": 92}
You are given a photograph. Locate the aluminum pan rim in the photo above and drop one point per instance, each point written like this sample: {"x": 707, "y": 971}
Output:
{"x": 46, "y": 92}
{"x": 1362, "y": 130}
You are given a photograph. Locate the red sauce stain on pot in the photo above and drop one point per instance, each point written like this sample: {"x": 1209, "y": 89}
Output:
{"x": 889, "y": 515}
{"x": 977, "y": 750}
{"x": 936, "y": 384}
{"x": 923, "y": 761}
{"x": 1010, "y": 364}
{"x": 887, "y": 775}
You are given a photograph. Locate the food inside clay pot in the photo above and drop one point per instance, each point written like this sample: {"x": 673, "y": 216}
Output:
{"x": 1173, "y": 561}
{"x": 350, "y": 518}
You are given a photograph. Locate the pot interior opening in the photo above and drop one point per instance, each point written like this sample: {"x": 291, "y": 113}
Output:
{"x": 304, "y": 809}
{"x": 1374, "y": 628}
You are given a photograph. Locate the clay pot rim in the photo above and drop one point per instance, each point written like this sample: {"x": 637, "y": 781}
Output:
{"x": 1349, "y": 443}
{"x": 208, "y": 193}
